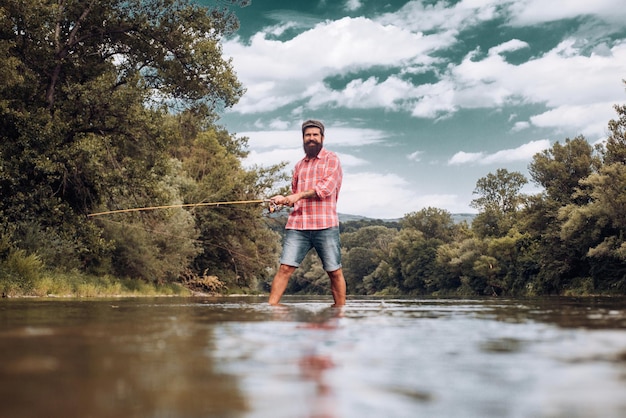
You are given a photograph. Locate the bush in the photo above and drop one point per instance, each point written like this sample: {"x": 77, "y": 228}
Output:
{"x": 19, "y": 272}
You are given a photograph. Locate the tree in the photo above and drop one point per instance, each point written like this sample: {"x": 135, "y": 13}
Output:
{"x": 456, "y": 261}
{"x": 87, "y": 69}
{"x": 237, "y": 245}
{"x": 498, "y": 203}
{"x": 87, "y": 90}
{"x": 363, "y": 251}
{"x": 310, "y": 278}
{"x": 432, "y": 222}
{"x": 358, "y": 263}
{"x": 559, "y": 169}
{"x": 616, "y": 142}
{"x": 500, "y": 191}
{"x": 598, "y": 228}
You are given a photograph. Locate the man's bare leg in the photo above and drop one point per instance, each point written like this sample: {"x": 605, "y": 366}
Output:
{"x": 279, "y": 284}
{"x": 338, "y": 287}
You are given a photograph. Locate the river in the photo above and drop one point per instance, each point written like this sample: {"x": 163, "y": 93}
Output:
{"x": 239, "y": 357}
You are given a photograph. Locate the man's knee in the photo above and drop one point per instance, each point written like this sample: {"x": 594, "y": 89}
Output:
{"x": 335, "y": 274}
{"x": 285, "y": 269}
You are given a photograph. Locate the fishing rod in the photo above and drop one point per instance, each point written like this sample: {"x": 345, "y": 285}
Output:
{"x": 272, "y": 207}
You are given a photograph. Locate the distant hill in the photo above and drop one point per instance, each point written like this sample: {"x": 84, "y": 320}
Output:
{"x": 456, "y": 217}
{"x": 347, "y": 218}
{"x": 461, "y": 217}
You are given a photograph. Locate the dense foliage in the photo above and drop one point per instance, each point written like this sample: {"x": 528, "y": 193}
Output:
{"x": 111, "y": 104}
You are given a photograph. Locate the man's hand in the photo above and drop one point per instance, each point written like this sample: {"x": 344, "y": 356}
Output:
{"x": 293, "y": 198}
{"x": 280, "y": 200}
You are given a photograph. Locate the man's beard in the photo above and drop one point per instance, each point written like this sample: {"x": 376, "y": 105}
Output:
{"x": 311, "y": 149}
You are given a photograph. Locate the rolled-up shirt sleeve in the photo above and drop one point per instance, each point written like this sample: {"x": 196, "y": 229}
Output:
{"x": 331, "y": 181}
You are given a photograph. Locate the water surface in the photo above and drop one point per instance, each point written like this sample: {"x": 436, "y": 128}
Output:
{"x": 239, "y": 357}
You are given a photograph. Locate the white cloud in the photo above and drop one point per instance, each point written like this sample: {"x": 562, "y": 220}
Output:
{"x": 463, "y": 157}
{"x": 415, "y": 156}
{"x": 562, "y": 79}
{"x": 279, "y": 30}
{"x": 353, "y": 5}
{"x": 364, "y": 94}
{"x": 291, "y": 156}
{"x": 520, "y": 126}
{"x": 530, "y": 12}
{"x": 385, "y": 196}
{"x": 348, "y": 160}
{"x": 524, "y": 152}
{"x": 277, "y": 73}
{"x": 270, "y": 147}
{"x": 512, "y": 45}
{"x": 589, "y": 120}
{"x": 334, "y": 137}
{"x": 279, "y": 124}
{"x": 416, "y": 16}
{"x": 273, "y": 157}
{"x": 435, "y": 99}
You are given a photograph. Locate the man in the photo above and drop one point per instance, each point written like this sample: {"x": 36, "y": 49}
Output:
{"x": 314, "y": 222}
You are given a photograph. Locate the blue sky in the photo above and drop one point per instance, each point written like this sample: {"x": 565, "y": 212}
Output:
{"x": 423, "y": 98}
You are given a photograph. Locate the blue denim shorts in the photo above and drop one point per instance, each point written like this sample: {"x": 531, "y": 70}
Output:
{"x": 297, "y": 243}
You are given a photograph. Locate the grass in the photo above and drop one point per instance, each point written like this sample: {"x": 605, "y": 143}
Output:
{"x": 75, "y": 284}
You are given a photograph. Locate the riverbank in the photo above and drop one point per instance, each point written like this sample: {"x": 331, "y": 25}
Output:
{"x": 74, "y": 284}
{"x": 79, "y": 285}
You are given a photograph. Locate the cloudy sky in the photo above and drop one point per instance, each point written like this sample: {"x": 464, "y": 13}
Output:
{"x": 422, "y": 98}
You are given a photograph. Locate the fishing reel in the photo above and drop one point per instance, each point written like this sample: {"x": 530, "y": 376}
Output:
{"x": 271, "y": 206}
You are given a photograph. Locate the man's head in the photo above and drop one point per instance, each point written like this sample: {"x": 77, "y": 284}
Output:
{"x": 312, "y": 137}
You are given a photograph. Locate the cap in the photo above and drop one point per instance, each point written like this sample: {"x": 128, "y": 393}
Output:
{"x": 315, "y": 123}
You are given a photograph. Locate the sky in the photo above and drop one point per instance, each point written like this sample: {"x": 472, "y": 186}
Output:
{"x": 423, "y": 98}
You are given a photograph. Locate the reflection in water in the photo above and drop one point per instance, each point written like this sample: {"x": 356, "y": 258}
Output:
{"x": 314, "y": 364}
{"x": 230, "y": 357}
{"x": 93, "y": 358}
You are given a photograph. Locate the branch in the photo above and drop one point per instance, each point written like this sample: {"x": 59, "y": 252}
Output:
{"x": 62, "y": 52}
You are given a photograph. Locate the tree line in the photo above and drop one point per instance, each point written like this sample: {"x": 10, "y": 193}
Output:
{"x": 114, "y": 104}
{"x": 570, "y": 239}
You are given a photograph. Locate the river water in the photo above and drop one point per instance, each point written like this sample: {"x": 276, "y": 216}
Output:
{"x": 239, "y": 357}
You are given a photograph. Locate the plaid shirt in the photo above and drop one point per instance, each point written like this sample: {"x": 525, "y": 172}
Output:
{"x": 322, "y": 174}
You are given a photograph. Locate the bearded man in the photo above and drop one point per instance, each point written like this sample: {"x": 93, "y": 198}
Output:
{"x": 314, "y": 222}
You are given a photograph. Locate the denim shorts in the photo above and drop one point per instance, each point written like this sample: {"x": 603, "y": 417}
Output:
{"x": 297, "y": 243}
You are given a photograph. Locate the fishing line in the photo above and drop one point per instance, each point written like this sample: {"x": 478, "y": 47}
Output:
{"x": 272, "y": 206}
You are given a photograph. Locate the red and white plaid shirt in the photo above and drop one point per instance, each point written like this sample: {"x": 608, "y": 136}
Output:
{"x": 322, "y": 174}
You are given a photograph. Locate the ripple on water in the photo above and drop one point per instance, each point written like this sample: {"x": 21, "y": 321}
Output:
{"x": 240, "y": 357}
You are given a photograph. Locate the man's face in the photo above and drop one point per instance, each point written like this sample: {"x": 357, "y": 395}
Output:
{"x": 313, "y": 140}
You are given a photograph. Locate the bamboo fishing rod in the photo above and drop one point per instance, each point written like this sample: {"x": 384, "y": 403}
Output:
{"x": 272, "y": 206}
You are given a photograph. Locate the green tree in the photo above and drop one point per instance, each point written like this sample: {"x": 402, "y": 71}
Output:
{"x": 499, "y": 201}
{"x": 561, "y": 171}
{"x": 237, "y": 245}
{"x": 363, "y": 251}
{"x": 432, "y": 222}
{"x": 456, "y": 261}
{"x": 85, "y": 94}
{"x": 598, "y": 228}
{"x": 310, "y": 278}
{"x": 616, "y": 141}
{"x": 384, "y": 280}
{"x": 358, "y": 262}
